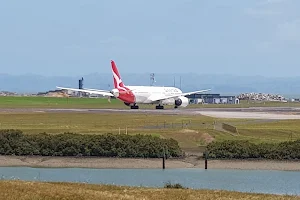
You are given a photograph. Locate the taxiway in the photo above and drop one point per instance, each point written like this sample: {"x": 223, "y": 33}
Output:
{"x": 242, "y": 113}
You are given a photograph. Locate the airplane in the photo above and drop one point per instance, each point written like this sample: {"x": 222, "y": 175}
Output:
{"x": 134, "y": 95}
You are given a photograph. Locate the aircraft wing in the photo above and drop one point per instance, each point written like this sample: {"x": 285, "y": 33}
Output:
{"x": 177, "y": 95}
{"x": 101, "y": 92}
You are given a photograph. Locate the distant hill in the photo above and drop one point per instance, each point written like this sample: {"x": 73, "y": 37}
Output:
{"x": 224, "y": 84}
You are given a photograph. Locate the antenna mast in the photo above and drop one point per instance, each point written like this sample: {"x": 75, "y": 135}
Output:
{"x": 80, "y": 86}
{"x": 152, "y": 79}
{"x": 180, "y": 83}
{"x": 174, "y": 82}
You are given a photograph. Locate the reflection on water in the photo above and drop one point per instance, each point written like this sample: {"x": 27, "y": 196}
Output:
{"x": 258, "y": 181}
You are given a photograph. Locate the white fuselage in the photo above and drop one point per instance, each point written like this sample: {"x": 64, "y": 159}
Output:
{"x": 144, "y": 94}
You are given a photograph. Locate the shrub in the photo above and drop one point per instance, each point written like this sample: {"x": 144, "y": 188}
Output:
{"x": 14, "y": 142}
{"x": 176, "y": 185}
{"x": 247, "y": 150}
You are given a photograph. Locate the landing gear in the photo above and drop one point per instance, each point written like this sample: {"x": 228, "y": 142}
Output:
{"x": 134, "y": 106}
{"x": 175, "y": 107}
{"x": 127, "y": 104}
{"x": 159, "y": 107}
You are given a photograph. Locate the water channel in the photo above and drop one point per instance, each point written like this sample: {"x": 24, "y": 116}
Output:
{"x": 257, "y": 181}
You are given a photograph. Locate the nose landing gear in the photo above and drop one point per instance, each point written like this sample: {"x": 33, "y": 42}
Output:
{"x": 159, "y": 107}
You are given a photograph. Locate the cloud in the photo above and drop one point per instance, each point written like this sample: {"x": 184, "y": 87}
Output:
{"x": 285, "y": 34}
{"x": 113, "y": 40}
{"x": 261, "y": 12}
{"x": 274, "y": 1}
{"x": 266, "y": 8}
{"x": 269, "y": 2}
{"x": 289, "y": 31}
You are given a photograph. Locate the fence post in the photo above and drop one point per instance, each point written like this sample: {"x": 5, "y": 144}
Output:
{"x": 206, "y": 156}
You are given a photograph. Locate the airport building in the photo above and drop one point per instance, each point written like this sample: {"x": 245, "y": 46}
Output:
{"x": 212, "y": 99}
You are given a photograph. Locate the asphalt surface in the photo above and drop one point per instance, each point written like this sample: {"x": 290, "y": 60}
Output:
{"x": 252, "y": 113}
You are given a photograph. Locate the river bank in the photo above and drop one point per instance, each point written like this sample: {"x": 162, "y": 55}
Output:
{"x": 189, "y": 162}
{"x": 23, "y": 190}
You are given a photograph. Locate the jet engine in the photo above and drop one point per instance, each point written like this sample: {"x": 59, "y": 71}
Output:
{"x": 115, "y": 92}
{"x": 181, "y": 102}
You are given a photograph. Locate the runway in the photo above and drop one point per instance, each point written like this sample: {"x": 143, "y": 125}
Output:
{"x": 241, "y": 113}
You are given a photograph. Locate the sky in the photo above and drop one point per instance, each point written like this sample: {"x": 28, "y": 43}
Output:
{"x": 78, "y": 37}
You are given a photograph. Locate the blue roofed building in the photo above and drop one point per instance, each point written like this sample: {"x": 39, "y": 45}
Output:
{"x": 212, "y": 99}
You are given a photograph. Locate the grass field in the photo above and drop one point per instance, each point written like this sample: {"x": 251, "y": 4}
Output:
{"x": 64, "y": 102}
{"x": 190, "y": 131}
{"x": 19, "y": 190}
{"x": 58, "y": 102}
{"x": 272, "y": 130}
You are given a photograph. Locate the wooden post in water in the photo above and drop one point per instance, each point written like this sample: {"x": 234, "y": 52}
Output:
{"x": 206, "y": 155}
{"x": 164, "y": 158}
{"x": 166, "y": 153}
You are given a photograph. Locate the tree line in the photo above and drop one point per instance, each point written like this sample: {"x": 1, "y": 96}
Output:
{"x": 15, "y": 142}
{"x": 236, "y": 149}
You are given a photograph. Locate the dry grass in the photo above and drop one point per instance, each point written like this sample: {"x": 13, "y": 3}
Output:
{"x": 168, "y": 126}
{"x": 99, "y": 122}
{"x": 21, "y": 190}
{"x": 273, "y": 130}
{"x": 188, "y": 138}
{"x": 201, "y": 129}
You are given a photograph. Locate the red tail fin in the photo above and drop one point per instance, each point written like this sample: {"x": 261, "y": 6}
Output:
{"x": 117, "y": 78}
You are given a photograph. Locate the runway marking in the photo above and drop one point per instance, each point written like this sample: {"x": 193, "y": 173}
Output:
{"x": 248, "y": 115}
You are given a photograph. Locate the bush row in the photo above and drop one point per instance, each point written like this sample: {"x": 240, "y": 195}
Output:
{"x": 246, "y": 150}
{"x": 14, "y": 142}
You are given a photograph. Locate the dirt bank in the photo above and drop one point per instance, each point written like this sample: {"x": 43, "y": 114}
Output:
{"x": 190, "y": 162}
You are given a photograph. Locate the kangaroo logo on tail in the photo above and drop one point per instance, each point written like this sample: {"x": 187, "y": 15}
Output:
{"x": 117, "y": 78}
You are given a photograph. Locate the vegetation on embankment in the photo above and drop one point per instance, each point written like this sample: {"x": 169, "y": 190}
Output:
{"x": 21, "y": 190}
{"x": 289, "y": 150}
{"x": 76, "y": 102}
{"x": 14, "y": 142}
